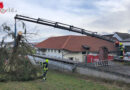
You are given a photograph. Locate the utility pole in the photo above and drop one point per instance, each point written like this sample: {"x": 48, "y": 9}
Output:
{"x": 15, "y": 33}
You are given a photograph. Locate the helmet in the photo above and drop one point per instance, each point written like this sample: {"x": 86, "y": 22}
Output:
{"x": 117, "y": 42}
{"x": 121, "y": 44}
{"x": 47, "y": 60}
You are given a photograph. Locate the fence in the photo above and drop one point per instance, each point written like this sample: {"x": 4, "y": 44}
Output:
{"x": 94, "y": 60}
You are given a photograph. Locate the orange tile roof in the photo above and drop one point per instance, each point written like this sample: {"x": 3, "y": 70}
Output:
{"x": 74, "y": 43}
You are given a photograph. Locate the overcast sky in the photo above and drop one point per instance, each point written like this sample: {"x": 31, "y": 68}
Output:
{"x": 102, "y": 16}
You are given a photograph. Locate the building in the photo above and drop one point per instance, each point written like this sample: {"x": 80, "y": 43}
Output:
{"x": 74, "y": 47}
{"x": 122, "y": 37}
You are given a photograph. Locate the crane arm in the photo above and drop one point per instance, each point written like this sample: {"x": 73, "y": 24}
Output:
{"x": 62, "y": 26}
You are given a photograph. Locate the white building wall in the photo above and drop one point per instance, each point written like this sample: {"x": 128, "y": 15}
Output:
{"x": 95, "y": 54}
{"x": 76, "y": 56}
{"x": 126, "y": 43}
{"x": 54, "y": 53}
{"x": 65, "y": 54}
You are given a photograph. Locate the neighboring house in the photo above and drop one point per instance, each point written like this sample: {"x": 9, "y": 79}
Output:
{"x": 74, "y": 47}
{"x": 110, "y": 36}
{"x": 122, "y": 37}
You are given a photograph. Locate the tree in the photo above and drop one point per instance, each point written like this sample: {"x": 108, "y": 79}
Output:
{"x": 14, "y": 61}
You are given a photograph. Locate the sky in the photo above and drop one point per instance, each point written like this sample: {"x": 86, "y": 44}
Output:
{"x": 102, "y": 16}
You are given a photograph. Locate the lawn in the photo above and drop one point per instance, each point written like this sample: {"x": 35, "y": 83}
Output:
{"x": 59, "y": 81}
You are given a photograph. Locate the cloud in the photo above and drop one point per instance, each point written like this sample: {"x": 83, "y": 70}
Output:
{"x": 112, "y": 5}
{"x": 114, "y": 17}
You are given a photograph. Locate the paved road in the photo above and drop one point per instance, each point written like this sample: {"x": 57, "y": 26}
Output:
{"x": 117, "y": 67}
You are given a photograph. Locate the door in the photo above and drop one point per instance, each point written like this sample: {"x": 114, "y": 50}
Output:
{"x": 103, "y": 53}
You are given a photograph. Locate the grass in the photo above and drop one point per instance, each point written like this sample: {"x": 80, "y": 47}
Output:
{"x": 59, "y": 81}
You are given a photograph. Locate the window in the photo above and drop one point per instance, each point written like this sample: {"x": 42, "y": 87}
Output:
{"x": 53, "y": 50}
{"x": 59, "y": 51}
{"x": 84, "y": 52}
{"x": 71, "y": 58}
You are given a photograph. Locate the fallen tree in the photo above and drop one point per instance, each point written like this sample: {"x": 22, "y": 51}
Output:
{"x": 14, "y": 61}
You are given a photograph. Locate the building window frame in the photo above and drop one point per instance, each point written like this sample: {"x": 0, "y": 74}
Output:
{"x": 71, "y": 58}
{"x": 59, "y": 51}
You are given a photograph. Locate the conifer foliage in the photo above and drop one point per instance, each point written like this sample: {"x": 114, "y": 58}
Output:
{"x": 14, "y": 61}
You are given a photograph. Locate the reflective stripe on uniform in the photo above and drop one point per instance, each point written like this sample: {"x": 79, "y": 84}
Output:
{"x": 45, "y": 69}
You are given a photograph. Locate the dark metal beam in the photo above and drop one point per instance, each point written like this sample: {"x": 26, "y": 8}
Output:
{"x": 62, "y": 26}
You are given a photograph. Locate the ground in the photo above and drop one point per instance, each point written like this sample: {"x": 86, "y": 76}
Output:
{"x": 60, "y": 81}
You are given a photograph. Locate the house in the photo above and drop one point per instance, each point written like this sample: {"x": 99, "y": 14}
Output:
{"x": 74, "y": 47}
{"x": 122, "y": 37}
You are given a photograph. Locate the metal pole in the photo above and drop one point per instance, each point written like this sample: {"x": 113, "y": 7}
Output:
{"x": 15, "y": 33}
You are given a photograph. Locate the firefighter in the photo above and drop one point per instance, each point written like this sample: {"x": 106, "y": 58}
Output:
{"x": 45, "y": 69}
{"x": 121, "y": 50}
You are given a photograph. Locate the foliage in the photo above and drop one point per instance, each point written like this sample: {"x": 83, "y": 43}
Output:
{"x": 14, "y": 61}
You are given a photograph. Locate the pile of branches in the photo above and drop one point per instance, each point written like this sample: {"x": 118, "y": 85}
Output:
{"x": 14, "y": 61}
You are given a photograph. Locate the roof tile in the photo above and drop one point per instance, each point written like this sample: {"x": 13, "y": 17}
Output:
{"x": 74, "y": 43}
